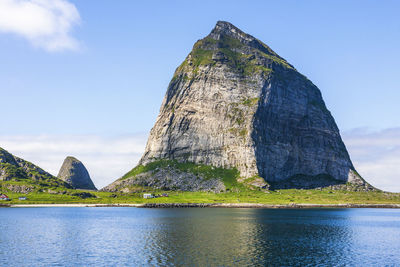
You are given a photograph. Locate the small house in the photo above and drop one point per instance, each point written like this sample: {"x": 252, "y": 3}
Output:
{"x": 147, "y": 196}
{"x": 22, "y": 198}
{"x": 4, "y": 197}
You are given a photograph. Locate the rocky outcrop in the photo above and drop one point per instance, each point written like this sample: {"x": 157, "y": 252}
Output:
{"x": 173, "y": 175}
{"x": 75, "y": 174}
{"x": 168, "y": 179}
{"x": 24, "y": 189}
{"x": 27, "y": 175}
{"x": 235, "y": 103}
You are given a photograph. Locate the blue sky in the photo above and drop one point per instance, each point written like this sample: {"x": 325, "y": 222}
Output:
{"x": 103, "y": 70}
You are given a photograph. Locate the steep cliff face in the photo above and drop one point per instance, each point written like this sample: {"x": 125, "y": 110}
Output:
{"x": 21, "y": 176}
{"x": 235, "y": 103}
{"x": 75, "y": 174}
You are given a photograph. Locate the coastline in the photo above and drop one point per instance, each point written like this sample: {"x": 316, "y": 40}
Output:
{"x": 208, "y": 205}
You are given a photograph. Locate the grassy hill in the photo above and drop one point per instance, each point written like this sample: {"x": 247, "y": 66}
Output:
{"x": 19, "y": 177}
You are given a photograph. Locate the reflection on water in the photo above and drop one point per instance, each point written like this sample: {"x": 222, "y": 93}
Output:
{"x": 199, "y": 237}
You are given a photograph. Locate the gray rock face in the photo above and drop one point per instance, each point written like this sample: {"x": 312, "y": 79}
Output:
{"x": 235, "y": 103}
{"x": 74, "y": 173}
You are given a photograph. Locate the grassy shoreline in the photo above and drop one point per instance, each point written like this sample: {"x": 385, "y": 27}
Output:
{"x": 208, "y": 205}
{"x": 279, "y": 197}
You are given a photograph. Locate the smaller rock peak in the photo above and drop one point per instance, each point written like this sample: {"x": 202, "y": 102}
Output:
{"x": 75, "y": 174}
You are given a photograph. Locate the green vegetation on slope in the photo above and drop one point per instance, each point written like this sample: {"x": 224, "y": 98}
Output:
{"x": 29, "y": 185}
{"x": 13, "y": 171}
{"x": 19, "y": 172}
{"x": 228, "y": 176}
{"x": 230, "y": 51}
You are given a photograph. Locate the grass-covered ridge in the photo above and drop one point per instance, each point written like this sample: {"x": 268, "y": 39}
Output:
{"x": 31, "y": 176}
{"x": 16, "y": 172}
{"x": 228, "y": 176}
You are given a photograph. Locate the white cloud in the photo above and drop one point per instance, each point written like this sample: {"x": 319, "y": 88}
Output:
{"x": 45, "y": 23}
{"x": 106, "y": 158}
{"x": 376, "y": 156}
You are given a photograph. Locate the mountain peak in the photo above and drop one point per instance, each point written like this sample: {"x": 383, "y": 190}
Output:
{"x": 234, "y": 108}
{"x": 227, "y": 28}
{"x": 224, "y": 24}
{"x": 72, "y": 159}
{"x": 230, "y": 46}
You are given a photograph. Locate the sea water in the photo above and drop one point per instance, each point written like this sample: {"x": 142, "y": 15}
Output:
{"x": 199, "y": 237}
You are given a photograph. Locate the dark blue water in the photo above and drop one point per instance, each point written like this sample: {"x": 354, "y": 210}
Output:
{"x": 199, "y": 237}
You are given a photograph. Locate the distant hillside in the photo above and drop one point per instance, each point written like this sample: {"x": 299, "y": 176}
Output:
{"x": 20, "y": 176}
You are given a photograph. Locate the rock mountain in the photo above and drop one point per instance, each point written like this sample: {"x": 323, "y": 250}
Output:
{"x": 234, "y": 104}
{"x": 75, "y": 174}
